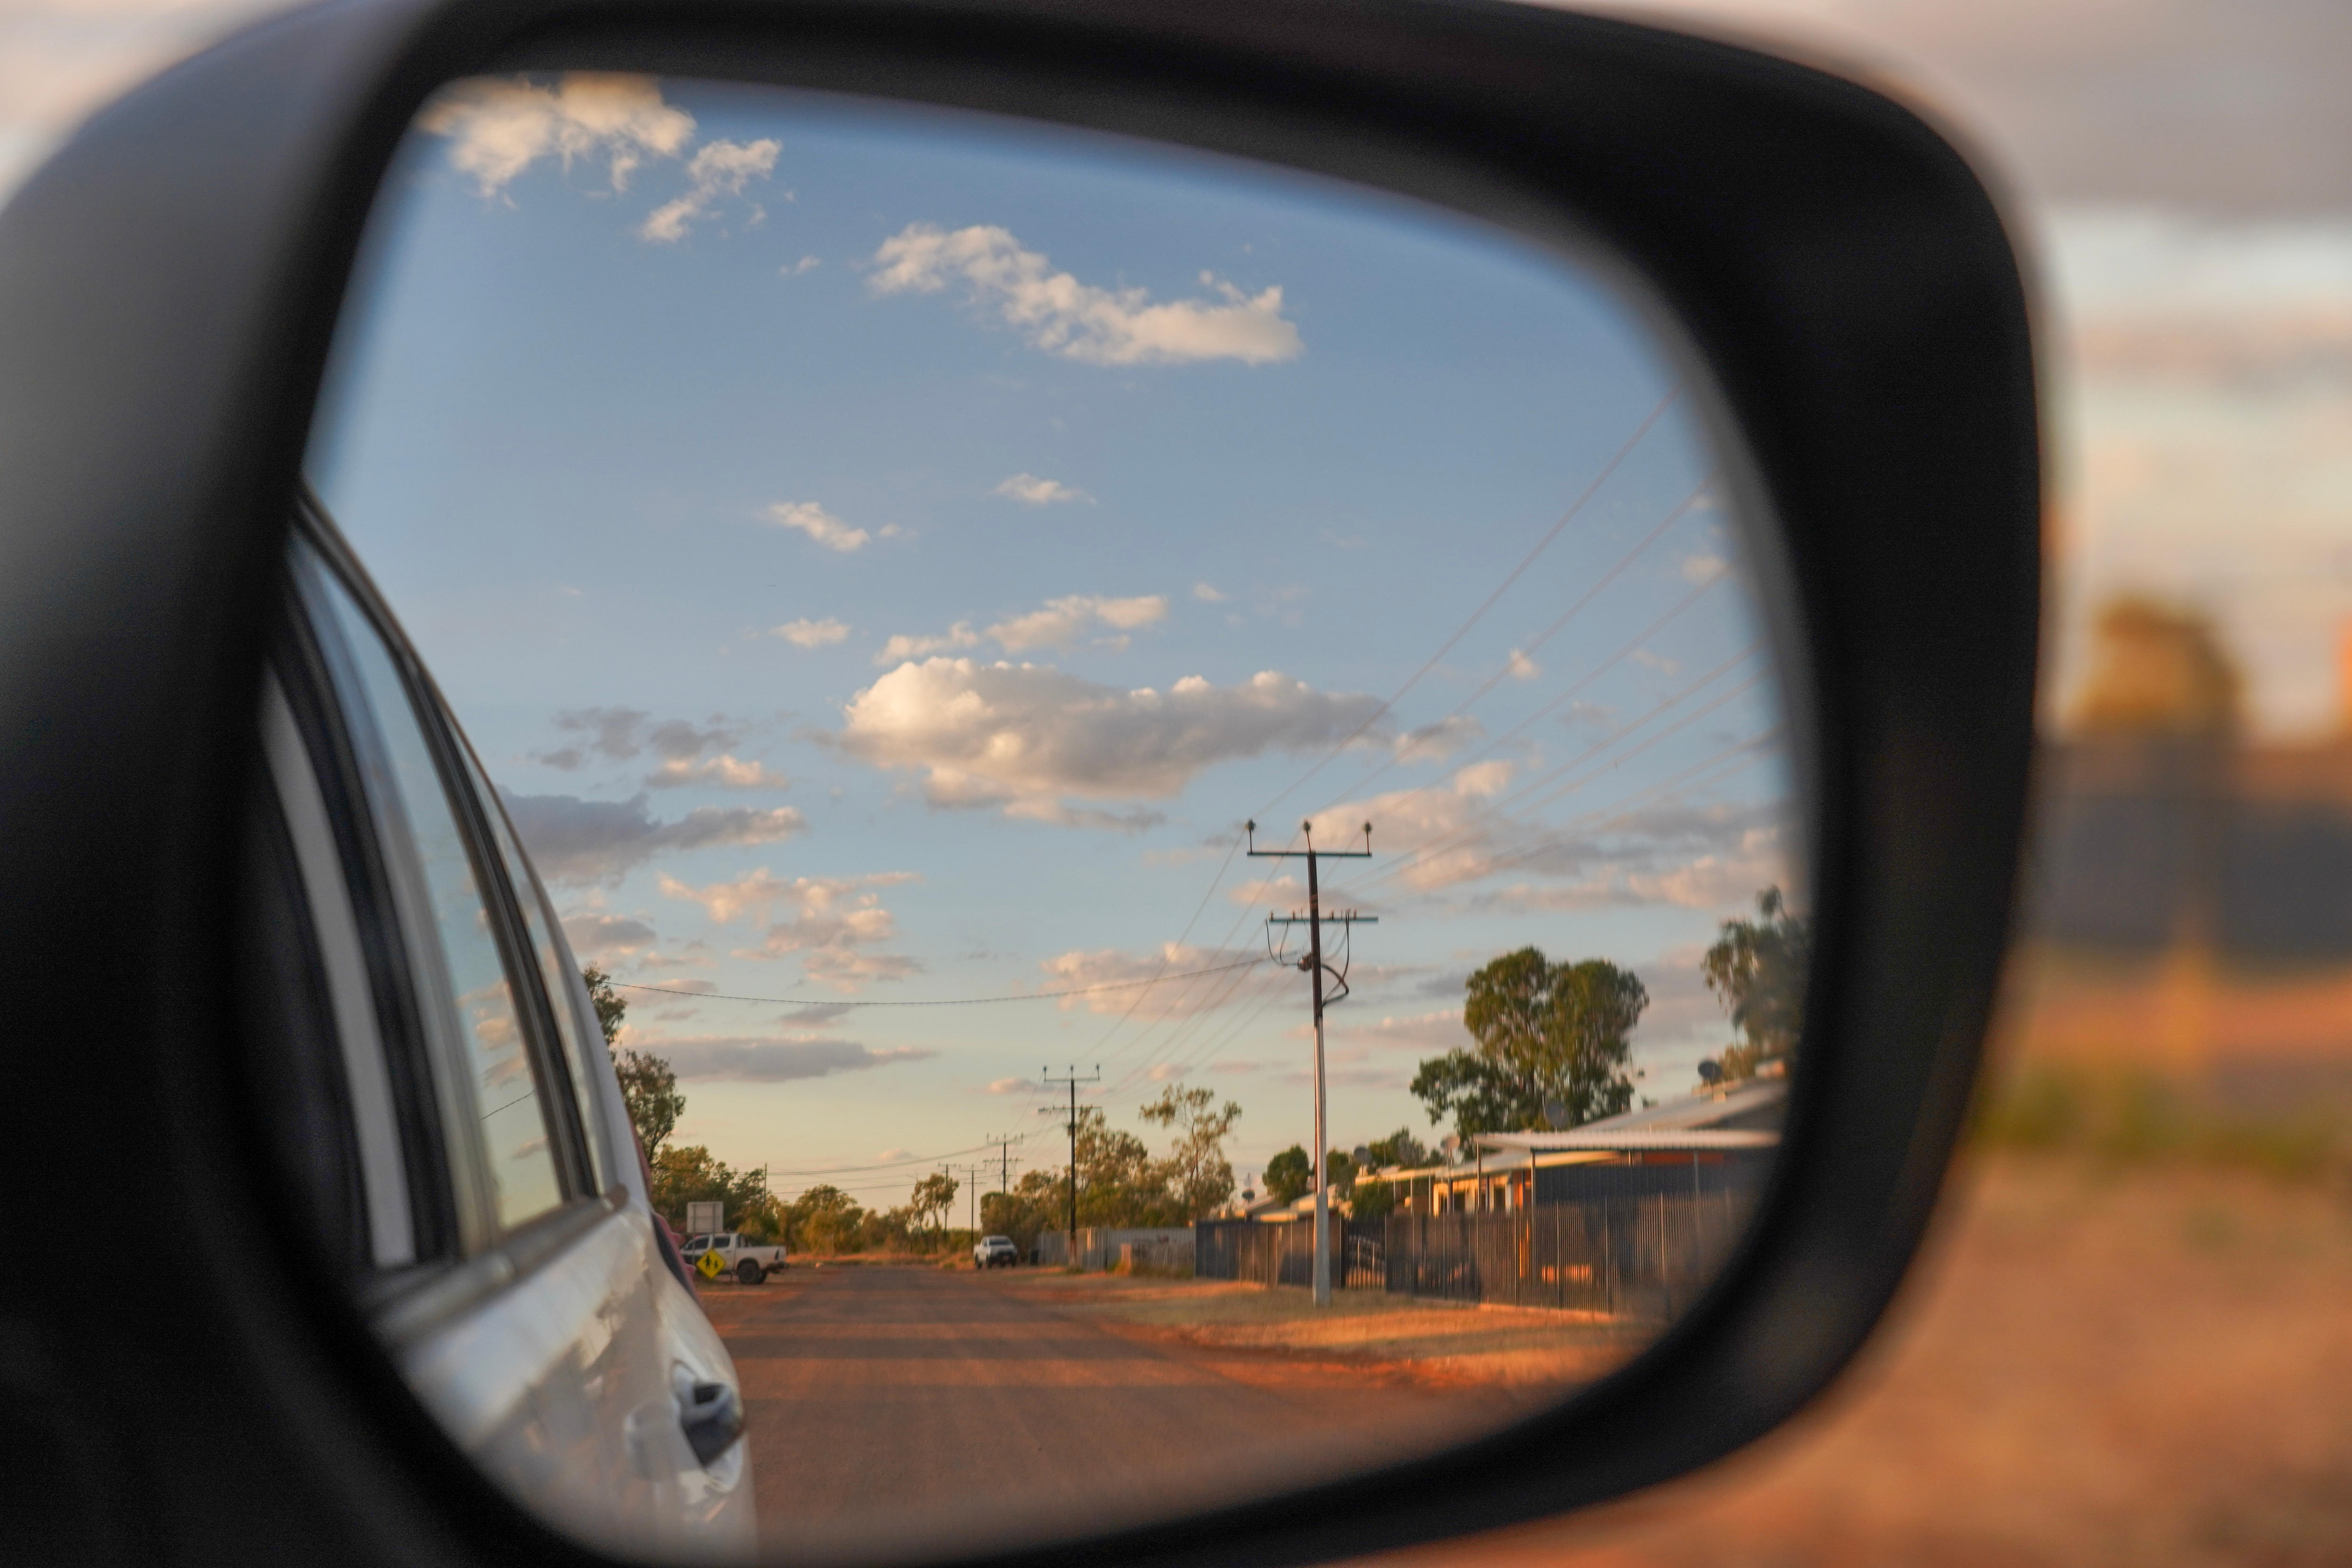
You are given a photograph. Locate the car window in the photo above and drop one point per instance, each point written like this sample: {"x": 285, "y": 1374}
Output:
{"x": 509, "y": 1128}
{"x": 368, "y": 1093}
{"x": 549, "y": 958}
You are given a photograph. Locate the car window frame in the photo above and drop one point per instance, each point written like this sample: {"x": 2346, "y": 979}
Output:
{"x": 481, "y": 1256}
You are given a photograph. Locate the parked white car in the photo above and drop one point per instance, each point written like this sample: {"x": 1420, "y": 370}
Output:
{"x": 994, "y": 1252}
{"x": 749, "y": 1261}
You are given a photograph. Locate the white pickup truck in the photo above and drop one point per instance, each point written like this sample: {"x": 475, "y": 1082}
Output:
{"x": 749, "y": 1261}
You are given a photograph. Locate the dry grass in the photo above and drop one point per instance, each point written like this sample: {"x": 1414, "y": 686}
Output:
{"x": 1440, "y": 1342}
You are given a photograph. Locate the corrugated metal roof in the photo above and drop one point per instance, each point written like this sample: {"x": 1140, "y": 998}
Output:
{"x": 1709, "y": 1107}
{"x": 1600, "y": 1136}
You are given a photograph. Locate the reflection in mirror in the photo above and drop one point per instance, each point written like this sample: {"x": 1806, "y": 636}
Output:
{"x": 1168, "y": 774}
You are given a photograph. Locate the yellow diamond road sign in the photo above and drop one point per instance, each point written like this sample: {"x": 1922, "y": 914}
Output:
{"x": 711, "y": 1263}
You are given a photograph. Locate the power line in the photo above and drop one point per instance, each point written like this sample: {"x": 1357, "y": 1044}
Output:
{"x": 887, "y": 1165}
{"x": 944, "y": 1000}
{"x": 1486, "y": 816}
{"x": 1746, "y": 754}
{"x": 1168, "y": 956}
{"x": 1194, "y": 1023}
{"x": 1463, "y": 630}
{"x": 1548, "y": 632}
{"x": 1223, "y": 943}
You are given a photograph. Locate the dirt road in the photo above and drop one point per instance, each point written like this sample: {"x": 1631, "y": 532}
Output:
{"x": 877, "y": 1393}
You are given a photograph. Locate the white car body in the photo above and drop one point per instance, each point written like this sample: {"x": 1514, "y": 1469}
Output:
{"x": 549, "y": 1328}
{"x": 995, "y": 1252}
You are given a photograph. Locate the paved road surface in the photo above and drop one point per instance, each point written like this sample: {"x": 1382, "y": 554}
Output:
{"x": 879, "y": 1393}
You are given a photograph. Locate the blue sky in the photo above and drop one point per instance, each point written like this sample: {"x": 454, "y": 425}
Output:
{"x": 885, "y": 556}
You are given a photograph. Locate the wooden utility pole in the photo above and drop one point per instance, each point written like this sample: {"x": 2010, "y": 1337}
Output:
{"x": 1313, "y": 963}
{"x": 1072, "y": 1081}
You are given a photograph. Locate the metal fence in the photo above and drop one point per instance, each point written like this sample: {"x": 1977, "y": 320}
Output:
{"x": 1628, "y": 1253}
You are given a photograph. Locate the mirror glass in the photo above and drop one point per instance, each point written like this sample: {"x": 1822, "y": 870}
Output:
{"x": 1094, "y": 713}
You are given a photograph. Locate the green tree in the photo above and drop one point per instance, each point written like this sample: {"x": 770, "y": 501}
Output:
{"x": 610, "y": 1006}
{"x": 1479, "y": 1093}
{"x": 1289, "y": 1175}
{"x": 1121, "y": 1183}
{"x": 1399, "y": 1149}
{"x": 824, "y": 1219}
{"x": 1553, "y": 1042}
{"x": 1196, "y": 1176}
{"x": 1372, "y": 1199}
{"x": 692, "y": 1174}
{"x": 649, "y": 1087}
{"x": 1339, "y": 1168}
{"x": 933, "y": 1196}
{"x": 1028, "y": 1209}
{"x": 1757, "y": 970}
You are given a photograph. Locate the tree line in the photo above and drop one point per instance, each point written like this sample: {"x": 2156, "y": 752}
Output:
{"x": 1552, "y": 1048}
{"x": 1120, "y": 1181}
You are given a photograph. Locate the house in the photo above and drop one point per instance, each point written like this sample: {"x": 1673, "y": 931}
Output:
{"x": 1725, "y": 1135}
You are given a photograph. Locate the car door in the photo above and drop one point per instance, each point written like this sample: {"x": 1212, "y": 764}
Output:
{"x": 509, "y": 1260}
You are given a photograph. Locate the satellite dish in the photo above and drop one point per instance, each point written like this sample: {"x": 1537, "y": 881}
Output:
{"x": 1361, "y": 1156}
{"x": 1710, "y": 1071}
{"x": 1556, "y": 1113}
{"x": 1451, "y": 1147}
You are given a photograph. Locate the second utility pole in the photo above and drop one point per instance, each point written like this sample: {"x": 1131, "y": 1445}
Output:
{"x": 1313, "y": 965}
{"x": 1073, "y": 1081}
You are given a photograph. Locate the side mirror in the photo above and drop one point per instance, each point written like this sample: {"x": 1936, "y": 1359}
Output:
{"x": 206, "y": 521}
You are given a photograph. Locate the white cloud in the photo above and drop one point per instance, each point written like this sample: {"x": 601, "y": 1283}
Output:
{"x": 594, "y": 934}
{"x": 903, "y": 646}
{"x": 794, "y": 268}
{"x": 1011, "y": 1086}
{"x": 1023, "y": 736}
{"x": 1523, "y": 668}
{"x": 774, "y": 1061}
{"x": 1284, "y": 890}
{"x": 497, "y": 129}
{"x": 1436, "y": 743}
{"x": 581, "y": 841}
{"x": 1425, "y": 1034}
{"x": 826, "y": 919}
{"x": 1707, "y": 881}
{"x": 758, "y": 893}
{"x": 1079, "y": 321}
{"x": 720, "y": 169}
{"x": 1705, "y": 568}
{"x": 619, "y": 734}
{"x": 725, "y": 771}
{"x": 819, "y": 525}
{"x": 690, "y": 753}
{"x": 1207, "y": 595}
{"x": 1029, "y": 487}
{"x": 1077, "y": 970}
{"x": 1063, "y": 621}
{"x": 811, "y": 633}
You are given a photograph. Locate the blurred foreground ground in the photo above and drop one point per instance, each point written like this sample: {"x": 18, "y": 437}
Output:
{"x": 2096, "y": 1363}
